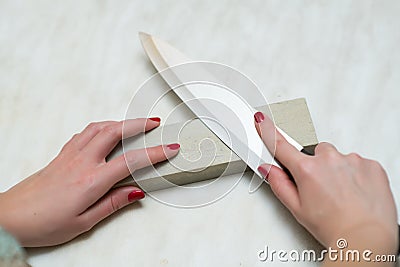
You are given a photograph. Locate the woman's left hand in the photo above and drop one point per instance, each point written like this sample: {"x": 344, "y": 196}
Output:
{"x": 72, "y": 194}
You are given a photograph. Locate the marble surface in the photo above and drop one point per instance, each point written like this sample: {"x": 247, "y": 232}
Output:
{"x": 66, "y": 63}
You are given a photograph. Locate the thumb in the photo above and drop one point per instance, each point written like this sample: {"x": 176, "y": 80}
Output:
{"x": 110, "y": 203}
{"x": 284, "y": 189}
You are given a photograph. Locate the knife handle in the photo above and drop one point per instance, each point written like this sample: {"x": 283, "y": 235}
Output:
{"x": 307, "y": 152}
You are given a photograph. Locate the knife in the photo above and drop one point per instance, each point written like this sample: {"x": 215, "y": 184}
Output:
{"x": 170, "y": 62}
{"x": 175, "y": 68}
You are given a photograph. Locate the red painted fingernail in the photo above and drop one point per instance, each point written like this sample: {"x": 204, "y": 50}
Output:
{"x": 157, "y": 119}
{"x": 174, "y": 146}
{"x": 135, "y": 195}
{"x": 264, "y": 172}
{"x": 258, "y": 117}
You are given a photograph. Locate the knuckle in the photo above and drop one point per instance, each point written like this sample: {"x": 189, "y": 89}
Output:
{"x": 320, "y": 146}
{"x": 75, "y": 136}
{"x": 325, "y": 148}
{"x": 85, "y": 223}
{"x": 114, "y": 204}
{"x": 332, "y": 156}
{"x": 154, "y": 154}
{"x": 323, "y": 144}
{"x": 279, "y": 141}
{"x": 354, "y": 159}
{"x": 376, "y": 165}
{"x": 131, "y": 160}
{"x": 354, "y": 156}
{"x": 112, "y": 131}
{"x": 276, "y": 186}
{"x": 93, "y": 126}
{"x": 72, "y": 142}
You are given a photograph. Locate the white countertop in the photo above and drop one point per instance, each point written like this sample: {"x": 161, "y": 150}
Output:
{"x": 65, "y": 64}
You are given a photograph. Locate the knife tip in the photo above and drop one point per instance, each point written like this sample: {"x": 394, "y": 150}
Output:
{"x": 144, "y": 36}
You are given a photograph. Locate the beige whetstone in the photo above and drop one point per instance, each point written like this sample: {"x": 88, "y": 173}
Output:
{"x": 202, "y": 155}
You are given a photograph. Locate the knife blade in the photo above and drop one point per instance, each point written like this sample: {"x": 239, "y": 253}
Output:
{"x": 252, "y": 150}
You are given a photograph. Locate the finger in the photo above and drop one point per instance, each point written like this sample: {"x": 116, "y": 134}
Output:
{"x": 120, "y": 167}
{"x": 110, "y": 203}
{"x": 104, "y": 142}
{"x": 284, "y": 188}
{"x": 80, "y": 140}
{"x": 278, "y": 146}
{"x": 324, "y": 147}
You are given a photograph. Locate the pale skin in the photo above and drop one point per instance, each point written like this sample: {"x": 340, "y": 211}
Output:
{"x": 332, "y": 195}
{"x": 72, "y": 194}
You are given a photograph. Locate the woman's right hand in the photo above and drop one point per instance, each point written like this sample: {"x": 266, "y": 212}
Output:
{"x": 334, "y": 196}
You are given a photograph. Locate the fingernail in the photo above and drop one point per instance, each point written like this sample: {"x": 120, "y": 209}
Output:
{"x": 174, "y": 146}
{"x": 157, "y": 119}
{"x": 258, "y": 117}
{"x": 264, "y": 172}
{"x": 135, "y": 195}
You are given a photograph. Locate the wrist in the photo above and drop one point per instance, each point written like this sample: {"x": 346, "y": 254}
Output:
{"x": 375, "y": 236}
{"x": 372, "y": 242}
{"x": 3, "y": 209}
{"x": 6, "y": 216}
